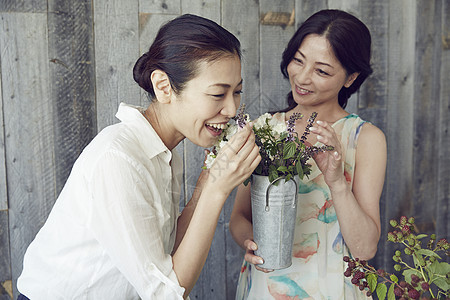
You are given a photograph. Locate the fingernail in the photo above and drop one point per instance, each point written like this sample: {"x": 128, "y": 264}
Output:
{"x": 313, "y": 128}
{"x": 259, "y": 261}
{"x": 254, "y": 247}
{"x": 319, "y": 137}
{"x": 319, "y": 122}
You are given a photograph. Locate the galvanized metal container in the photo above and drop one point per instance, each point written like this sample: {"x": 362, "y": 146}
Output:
{"x": 274, "y": 210}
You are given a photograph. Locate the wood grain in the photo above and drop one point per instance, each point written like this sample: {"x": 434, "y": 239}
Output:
{"x": 30, "y": 156}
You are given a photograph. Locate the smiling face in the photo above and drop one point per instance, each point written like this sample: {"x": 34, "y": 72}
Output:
{"x": 208, "y": 101}
{"x": 315, "y": 74}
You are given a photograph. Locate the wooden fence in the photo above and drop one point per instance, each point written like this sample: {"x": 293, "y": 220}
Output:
{"x": 66, "y": 66}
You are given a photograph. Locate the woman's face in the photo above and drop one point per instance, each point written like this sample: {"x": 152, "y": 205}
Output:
{"x": 208, "y": 101}
{"x": 315, "y": 74}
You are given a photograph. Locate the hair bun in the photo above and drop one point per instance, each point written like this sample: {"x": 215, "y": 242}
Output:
{"x": 139, "y": 67}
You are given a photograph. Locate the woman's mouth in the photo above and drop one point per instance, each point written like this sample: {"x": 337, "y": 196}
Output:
{"x": 302, "y": 91}
{"x": 215, "y": 128}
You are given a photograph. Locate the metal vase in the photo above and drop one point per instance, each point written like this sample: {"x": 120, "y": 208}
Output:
{"x": 274, "y": 211}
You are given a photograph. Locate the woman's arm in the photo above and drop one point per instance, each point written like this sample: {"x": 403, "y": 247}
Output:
{"x": 357, "y": 207}
{"x": 233, "y": 165}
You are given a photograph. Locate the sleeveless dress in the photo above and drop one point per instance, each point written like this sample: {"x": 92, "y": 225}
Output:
{"x": 317, "y": 270}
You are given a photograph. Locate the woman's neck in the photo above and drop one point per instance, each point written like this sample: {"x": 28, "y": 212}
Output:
{"x": 162, "y": 125}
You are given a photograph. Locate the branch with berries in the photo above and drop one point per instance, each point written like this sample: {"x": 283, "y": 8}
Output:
{"x": 422, "y": 271}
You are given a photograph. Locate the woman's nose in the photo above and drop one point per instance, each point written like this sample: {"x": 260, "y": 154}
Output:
{"x": 303, "y": 76}
{"x": 230, "y": 106}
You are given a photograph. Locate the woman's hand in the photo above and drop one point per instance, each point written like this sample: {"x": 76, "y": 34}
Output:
{"x": 329, "y": 162}
{"x": 250, "y": 247}
{"x": 236, "y": 161}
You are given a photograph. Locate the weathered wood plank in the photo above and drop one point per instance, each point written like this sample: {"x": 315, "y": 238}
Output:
{"x": 160, "y": 6}
{"x": 273, "y": 40}
{"x": 71, "y": 53}
{"x": 3, "y": 187}
{"x": 34, "y": 6}
{"x": 242, "y": 19}
{"x": 5, "y": 258}
{"x": 443, "y": 193}
{"x": 208, "y": 9}
{"x": 306, "y": 8}
{"x": 116, "y": 50}
{"x": 426, "y": 110}
{"x": 28, "y": 117}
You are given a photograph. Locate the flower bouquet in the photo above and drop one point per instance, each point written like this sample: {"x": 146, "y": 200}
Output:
{"x": 423, "y": 276}
{"x": 275, "y": 180}
{"x": 283, "y": 153}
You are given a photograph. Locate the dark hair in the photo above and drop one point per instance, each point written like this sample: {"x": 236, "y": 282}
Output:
{"x": 350, "y": 40}
{"x": 178, "y": 47}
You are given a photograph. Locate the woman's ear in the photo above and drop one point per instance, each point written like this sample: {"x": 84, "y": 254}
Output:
{"x": 351, "y": 79}
{"x": 161, "y": 86}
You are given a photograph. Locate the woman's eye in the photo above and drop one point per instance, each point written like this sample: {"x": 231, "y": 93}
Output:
{"x": 298, "y": 60}
{"x": 322, "y": 72}
{"x": 238, "y": 92}
{"x": 218, "y": 95}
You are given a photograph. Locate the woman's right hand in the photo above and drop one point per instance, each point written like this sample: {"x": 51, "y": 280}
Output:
{"x": 250, "y": 247}
{"x": 236, "y": 161}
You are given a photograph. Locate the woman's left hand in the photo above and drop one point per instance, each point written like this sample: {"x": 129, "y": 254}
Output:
{"x": 329, "y": 162}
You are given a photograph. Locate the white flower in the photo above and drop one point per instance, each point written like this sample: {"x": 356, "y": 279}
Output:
{"x": 277, "y": 126}
{"x": 209, "y": 160}
{"x": 261, "y": 121}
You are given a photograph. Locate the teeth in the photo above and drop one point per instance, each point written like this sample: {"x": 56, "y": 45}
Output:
{"x": 303, "y": 90}
{"x": 217, "y": 126}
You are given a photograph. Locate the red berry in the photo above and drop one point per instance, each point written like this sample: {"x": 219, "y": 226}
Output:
{"x": 425, "y": 286}
{"x": 355, "y": 280}
{"x": 398, "y": 292}
{"x": 413, "y": 294}
{"x": 347, "y": 273}
{"x": 415, "y": 278}
{"x": 346, "y": 258}
{"x": 403, "y": 284}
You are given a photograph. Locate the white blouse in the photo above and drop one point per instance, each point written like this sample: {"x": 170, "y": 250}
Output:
{"x": 112, "y": 228}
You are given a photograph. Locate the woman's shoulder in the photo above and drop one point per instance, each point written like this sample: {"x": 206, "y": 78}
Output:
{"x": 371, "y": 138}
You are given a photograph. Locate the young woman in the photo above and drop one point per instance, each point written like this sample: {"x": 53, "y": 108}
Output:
{"x": 113, "y": 232}
{"x": 326, "y": 61}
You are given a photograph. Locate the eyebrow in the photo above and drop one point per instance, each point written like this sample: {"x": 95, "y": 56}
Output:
{"x": 225, "y": 85}
{"x": 320, "y": 63}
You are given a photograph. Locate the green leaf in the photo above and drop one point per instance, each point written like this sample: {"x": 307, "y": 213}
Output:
{"x": 299, "y": 168}
{"x": 391, "y": 295}
{"x": 442, "y": 283}
{"x": 282, "y": 169}
{"x": 418, "y": 260}
{"x": 372, "y": 281}
{"x": 393, "y": 278}
{"x": 427, "y": 252}
{"x": 288, "y": 177}
{"x": 289, "y": 150}
{"x": 421, "y": 236}
{"x": 381, "y": 291}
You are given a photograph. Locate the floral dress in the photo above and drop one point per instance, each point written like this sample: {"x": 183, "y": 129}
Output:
{"x": 317, "y": 270}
